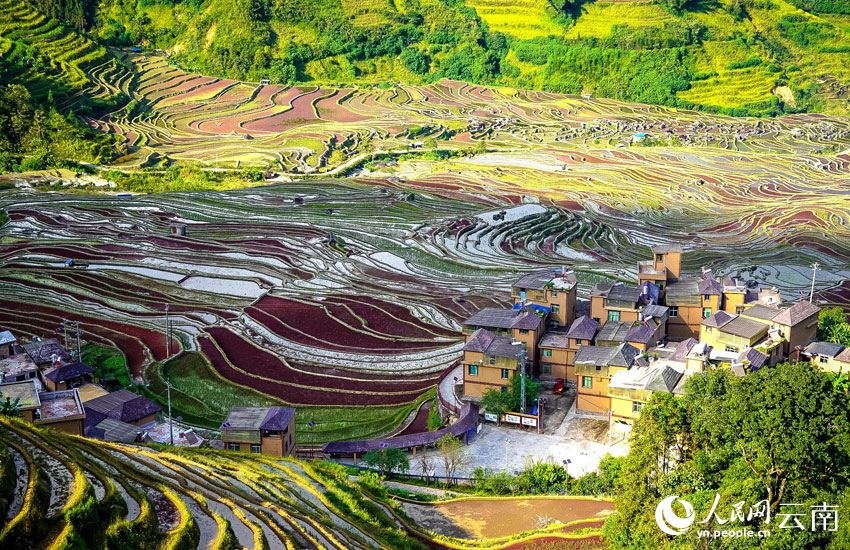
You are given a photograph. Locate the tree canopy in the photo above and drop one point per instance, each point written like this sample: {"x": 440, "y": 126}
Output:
{"x": 780, "y": 434}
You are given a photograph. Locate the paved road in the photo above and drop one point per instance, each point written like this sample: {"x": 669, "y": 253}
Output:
{"x": 446, "y": 386}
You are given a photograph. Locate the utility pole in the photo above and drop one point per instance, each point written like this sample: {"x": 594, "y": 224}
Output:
{"x": 522, "y": 381}
{"x": 167, "y": 339}
{"x": 170, "y": 420}
{"x": 65, "y": 331}
{"x": 815, "y": 267}
{"x": 77, "y": 330}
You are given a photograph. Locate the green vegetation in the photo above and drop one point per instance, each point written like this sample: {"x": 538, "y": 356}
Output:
{"x": 643, "y": 52}
{"x": 833, "y": 326}
{"x": 498, "y": 402}
{"x": 203, "y": 398}
{"x": 387, "y": 460}
{"x": 109, "y": 364}
{"x": 779, "y": 434}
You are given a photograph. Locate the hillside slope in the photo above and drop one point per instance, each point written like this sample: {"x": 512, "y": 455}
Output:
{"x": 735, "y": 56}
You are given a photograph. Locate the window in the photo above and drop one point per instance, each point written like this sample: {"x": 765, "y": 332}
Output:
{"x": 547, "y": 353}
{"x": 637, "y": 406}
{"x": 586, "y": 382}
{"x": 473, "y": 370}
{"x": 505, "y": 374}
{"x": 232, "y": 446}
{"x": 660, "y": 285}
{"x": 708, "y": 330}
{"x": 546, "y": 368}
{"x": 824, "y": 360}
{"x": 659, "y": 258}
{"x": 673, "y": 311}
{"x": 256, "y": 449}
{"x": 706, "y": 312}
{"x": 492, "y": 359}
{"x": 556, "y": 309}
{"x": 553, "y": 293}
{"x": 523, "y": 331}
{"x": 613, "y": 315}
{"x": 706, "y": 297}
{"x": 739, "y": 309}
{"x": 732, "y": 349}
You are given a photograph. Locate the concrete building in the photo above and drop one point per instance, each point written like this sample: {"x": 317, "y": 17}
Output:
{"x": 67, "y": 376}
{"x": 62, "y": 411}
{"x": 631, "y": 389}
{"x": 17, "y": 368}
{"x": 594, "y": 367}
{"x": 267, "y": 430}
{"x": 553, "y": 288}
{"x": 124, "y": 406}
{"x": 489, "y": 361}
{"x": 525, "y": 325}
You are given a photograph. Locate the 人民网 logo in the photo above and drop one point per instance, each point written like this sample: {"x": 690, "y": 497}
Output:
{"x": 668, "y": 521}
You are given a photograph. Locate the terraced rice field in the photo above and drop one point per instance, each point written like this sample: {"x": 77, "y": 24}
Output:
{"x": 222, "y": 123}
{"x": 83, "y": 492}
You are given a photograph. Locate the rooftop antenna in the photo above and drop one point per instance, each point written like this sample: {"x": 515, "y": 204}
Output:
{"x": 815, "y": 267}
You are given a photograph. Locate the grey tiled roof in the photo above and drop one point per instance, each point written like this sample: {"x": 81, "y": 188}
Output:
{"x": 641, "y": 334}
{"x": 67, "y": 372}
{"x": 557, "y": 340}
{"x": 796, "y": 314}
{"x": 123, "y": 405}
{"x": 717, "y": 319}
{"x": 655, "y": 310}
{"x": 683, "y": 349}
{"x": 260, "y": 418}
{"x": 619, "y": 356}
{"x": 756, "y": 358}
{"x": 683, "y": 287}
{"x": 613, "y": 331}
{"x": 7, "y": 337}
{"x": 760, "y": 311}
{"x": 479, "y": 341}
{"x": 623, "y": 296}
{"x": 710, "y": 286}
{"x": 484, "y": 341}
{"x": 491, "y": 317}
{"x": 40, "y": 352}
{"x": 826, "y": 349}
{"x": 583, "y": 328}
{"x": 745, "y": 328}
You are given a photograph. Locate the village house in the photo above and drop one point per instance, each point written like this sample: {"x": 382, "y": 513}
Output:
{"x": 17, "y": 368}
{"x": 45, "y": 352}
{"x": 62, "y": 411}
{"x": 594, "y": 367}
{"x": 823, "y": 355}
{"x": 489, "y": 361}
{"x": 555, "y": 289}
{"x": 124, "y": 406}
{"x": 749, "y": 361}
{"x": 267, "y": 430}
{"x": 525, "y": 325}
{"x": 67, "y": 376}
{"x": 840, "y": 364}
{"x": 7, "y": 344}
{"x": 665, "y": 266}
{"x": 27, "y": 393}
{"x": 631, "y": 389}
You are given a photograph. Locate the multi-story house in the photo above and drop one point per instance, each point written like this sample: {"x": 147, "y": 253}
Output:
{"x": 266, "y": 430}
{"x": 554, "y": 289}
{"x": 489, "y": 361}
{"x": 594, "y": 367}
{"x": 526, "y": 325}
{"x": 630, "y": 389}
{"x": 824, "y": 356}
{"x": 732, "y": 333}
{"x": 665, "y": 266}
{"x": 558, "y": 349}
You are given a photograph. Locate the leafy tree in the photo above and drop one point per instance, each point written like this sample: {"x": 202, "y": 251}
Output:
{"x": 387, "y": 460}
{"x": 496, "y": 401}
{"x": 9, "y": 407}
{"x": 832, "y": 326}
{"x": 780, "y": 434}
{"x": 542, "y": 478}
{"x": 414, "y": 60}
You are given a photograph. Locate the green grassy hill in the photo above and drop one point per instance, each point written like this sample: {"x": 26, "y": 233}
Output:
{"x": 739, "y": 57}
